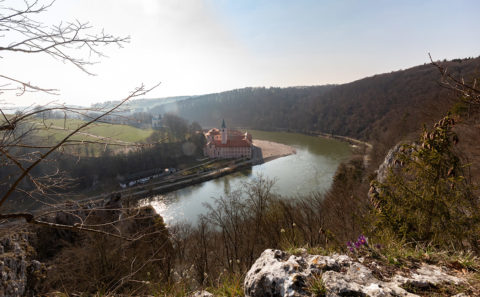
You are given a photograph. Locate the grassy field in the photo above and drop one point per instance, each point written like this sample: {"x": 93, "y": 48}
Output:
{"x": 58, "y": 128}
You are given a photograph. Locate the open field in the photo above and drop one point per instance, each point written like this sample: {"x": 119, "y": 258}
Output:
{"x": 58, "y": 128}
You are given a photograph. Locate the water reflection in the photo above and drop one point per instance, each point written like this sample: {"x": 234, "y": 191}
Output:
{"x": 226, "y": 186}
{"x": 310, "y": 170}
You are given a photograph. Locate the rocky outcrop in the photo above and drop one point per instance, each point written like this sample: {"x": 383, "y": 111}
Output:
{"x": 389, "y": 163}
{"x": 19, "y": 274}
{"x": 276, "y": 274}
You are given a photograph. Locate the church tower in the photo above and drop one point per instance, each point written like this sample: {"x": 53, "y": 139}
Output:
{"x": 223, "y": 132}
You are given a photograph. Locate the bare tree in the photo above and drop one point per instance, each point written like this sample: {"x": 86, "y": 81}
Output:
{"x": 468, "y": 92}
{"x": 21, "y": 151}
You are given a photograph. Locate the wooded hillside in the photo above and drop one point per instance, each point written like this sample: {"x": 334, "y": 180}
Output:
{"x": 380, "y": 109}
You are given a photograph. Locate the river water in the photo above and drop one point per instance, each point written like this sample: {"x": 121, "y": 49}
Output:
{"x": 311, "y": 169}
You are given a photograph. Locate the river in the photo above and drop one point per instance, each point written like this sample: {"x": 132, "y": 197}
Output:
{"x": 311, "y": 169}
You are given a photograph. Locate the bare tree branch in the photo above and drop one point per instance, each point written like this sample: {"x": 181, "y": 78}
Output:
{"x": 138, "y": 92}
{"x": 469, "y": 92}
{"x": 29, "y": 218}
{"x": 57, "y": 40}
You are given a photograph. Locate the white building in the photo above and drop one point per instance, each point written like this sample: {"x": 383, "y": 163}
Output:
{"x": 224, "y": 143}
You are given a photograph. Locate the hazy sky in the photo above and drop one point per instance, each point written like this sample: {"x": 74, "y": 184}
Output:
{"x": 202, "y": 46}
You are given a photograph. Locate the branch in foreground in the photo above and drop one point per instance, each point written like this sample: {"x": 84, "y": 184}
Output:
{"x": 30, "y": 36}
{"x": 469, "y": 91}
{"x": 29, "y": 218}
{"x": 138, "y": 92}
{"x": 25, "y": 87}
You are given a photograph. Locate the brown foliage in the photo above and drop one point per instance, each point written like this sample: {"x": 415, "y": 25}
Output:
{"x": 96, "y": 263}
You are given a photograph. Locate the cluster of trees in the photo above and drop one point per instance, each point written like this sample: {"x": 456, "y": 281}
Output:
{"x": 176, "y": 128}
{"x": 103, "y": 165}
{"x": 380, "y": 109}
{"x": 136, "y": 119}
{"x": 142, "y": 257}
{"x": 175, "y": 261}
{"x": 107, "y": 168}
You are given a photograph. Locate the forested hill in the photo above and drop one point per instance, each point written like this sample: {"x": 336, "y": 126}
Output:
{"x": 382, "y": 107}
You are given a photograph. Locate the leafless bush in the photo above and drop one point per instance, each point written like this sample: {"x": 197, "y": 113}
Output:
{"x": 97, "y": 263}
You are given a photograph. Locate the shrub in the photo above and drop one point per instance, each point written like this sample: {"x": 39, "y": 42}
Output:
{"x": 426, "y": 197}
{"x": 97, "y": 263}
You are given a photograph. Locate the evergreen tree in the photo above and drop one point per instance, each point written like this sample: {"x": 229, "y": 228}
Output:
{"x": 426, "y": 196}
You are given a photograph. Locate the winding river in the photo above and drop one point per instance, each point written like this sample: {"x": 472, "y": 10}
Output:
{"x": 311, "y": 169}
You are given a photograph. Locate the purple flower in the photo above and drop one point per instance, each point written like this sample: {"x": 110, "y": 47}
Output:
{"x": 362, "y": 239}
{"x": 378, "y": 246}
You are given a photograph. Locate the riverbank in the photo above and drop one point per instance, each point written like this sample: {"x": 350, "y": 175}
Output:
{"x": 365, "y": 147}
{"x": 270, "y": 150}
{"x": 264, "y": 151}
{"x": 361, "y": 147}
{"x": 303, "y": 164}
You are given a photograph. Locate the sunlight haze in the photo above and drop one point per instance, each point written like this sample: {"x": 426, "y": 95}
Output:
{"x": 198, "y": 46}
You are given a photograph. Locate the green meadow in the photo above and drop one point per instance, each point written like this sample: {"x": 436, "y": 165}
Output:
{"x": 59, "y": 128}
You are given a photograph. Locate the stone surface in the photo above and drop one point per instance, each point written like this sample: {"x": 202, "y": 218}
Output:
{"x": 389, "y": 163}
{"x": 13, "y": 267}
{"x": 202, "y": 294}
{"x": 276, "y": 273}
{"x": 18, "y": 275}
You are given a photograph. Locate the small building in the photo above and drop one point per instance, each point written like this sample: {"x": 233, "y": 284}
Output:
{"x": 226, "y": 143}
{"x": 157, "y": 122}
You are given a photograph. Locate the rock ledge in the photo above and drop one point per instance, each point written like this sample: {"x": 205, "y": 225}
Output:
{"x": 275, "y": 274}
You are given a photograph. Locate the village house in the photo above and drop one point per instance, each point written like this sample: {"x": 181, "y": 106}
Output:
{"x": 226, "y": 143}
{"x": 157, "y": 122}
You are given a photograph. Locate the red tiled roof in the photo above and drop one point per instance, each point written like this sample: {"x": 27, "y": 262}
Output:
{"x": 233, "y": 143}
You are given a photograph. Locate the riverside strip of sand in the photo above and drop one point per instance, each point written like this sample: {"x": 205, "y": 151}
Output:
{"x": 269, "y": 150}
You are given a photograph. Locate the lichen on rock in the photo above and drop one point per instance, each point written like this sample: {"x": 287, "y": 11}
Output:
{"x": 277, "y": 274}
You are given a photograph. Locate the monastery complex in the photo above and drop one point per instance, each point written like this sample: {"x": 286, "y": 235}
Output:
{"x": 225, "y": 143}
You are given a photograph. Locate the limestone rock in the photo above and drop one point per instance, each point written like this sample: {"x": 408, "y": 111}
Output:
{"x": 18, "y": 275}
{"x": 13, "y": 267}
{"x": 388, "y": 163}
{"x": 276, "y": 273}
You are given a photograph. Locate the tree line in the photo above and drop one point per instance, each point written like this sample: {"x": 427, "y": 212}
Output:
{"x": 380, "y": 109}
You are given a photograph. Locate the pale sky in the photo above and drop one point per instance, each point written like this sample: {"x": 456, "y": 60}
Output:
{"x": 196, "y": 47}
